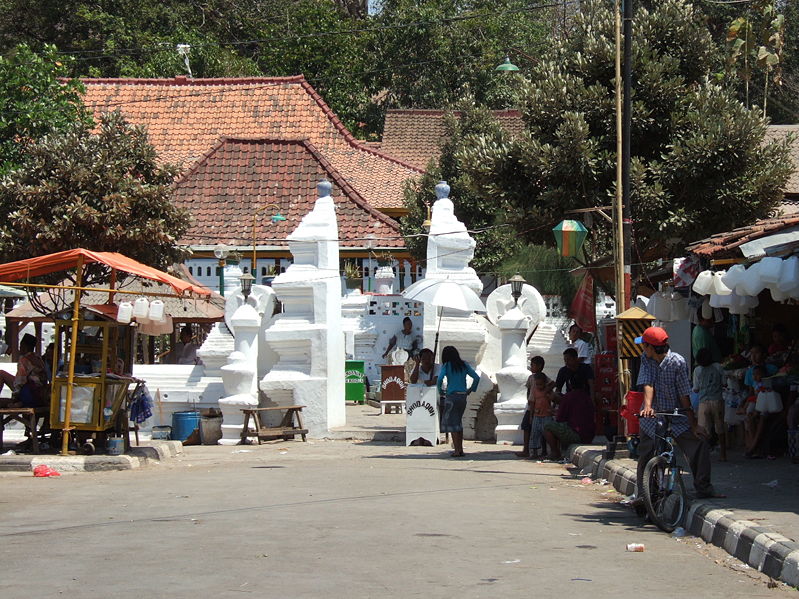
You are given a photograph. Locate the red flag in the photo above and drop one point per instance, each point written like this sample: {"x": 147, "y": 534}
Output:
{"x": 583, "y": 308}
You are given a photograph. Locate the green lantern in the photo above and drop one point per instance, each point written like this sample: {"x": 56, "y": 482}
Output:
{"x": 570, "y": 235}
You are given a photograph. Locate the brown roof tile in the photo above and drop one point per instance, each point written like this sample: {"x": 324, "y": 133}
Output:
{"x": 725, "y": 245}
{"x": 224, "y": 188}
{"x": 416, "y": 136}
{"x": 186, "y": 117}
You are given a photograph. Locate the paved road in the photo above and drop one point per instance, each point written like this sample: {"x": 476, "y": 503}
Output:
{"x": 336, "y": 519}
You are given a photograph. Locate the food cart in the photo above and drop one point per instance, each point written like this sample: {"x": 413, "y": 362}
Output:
{"x": 100, "y": 390}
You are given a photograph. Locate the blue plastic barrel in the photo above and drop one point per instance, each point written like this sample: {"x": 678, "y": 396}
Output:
{"x": 183, "y": 424}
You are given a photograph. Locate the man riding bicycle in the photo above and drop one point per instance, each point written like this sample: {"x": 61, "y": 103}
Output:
{"x": 664, "y": 380}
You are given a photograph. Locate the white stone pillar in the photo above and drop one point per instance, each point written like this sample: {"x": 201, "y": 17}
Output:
{"x": 308, "y": 337}
{"x": 450, "y": 248}
{"x": 239, "y": 374}
{"x": 512, "y": 377}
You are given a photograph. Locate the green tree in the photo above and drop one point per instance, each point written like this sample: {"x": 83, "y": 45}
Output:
{"x": 436, "y": 52}
{"x": 102, "y": 190}
{"x": 545, "y": 269}
{"x": 483, "y": 215}
{"x": 699, "y": 162}
{"x": 33, "y": 102}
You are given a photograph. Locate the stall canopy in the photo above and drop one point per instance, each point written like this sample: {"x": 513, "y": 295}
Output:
{"x": 43, "y": 265}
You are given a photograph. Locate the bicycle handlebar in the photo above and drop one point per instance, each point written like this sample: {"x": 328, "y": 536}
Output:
{"x": 677, "y": 412}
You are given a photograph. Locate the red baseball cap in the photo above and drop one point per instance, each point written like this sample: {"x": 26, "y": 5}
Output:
{"x": 653, "y": 336}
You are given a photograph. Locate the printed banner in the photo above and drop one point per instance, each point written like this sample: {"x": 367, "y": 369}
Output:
{"x": 583, "y": 307}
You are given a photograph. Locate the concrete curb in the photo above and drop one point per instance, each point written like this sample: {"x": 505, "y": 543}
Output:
{"x": 155, "y": 451}
{"x": 763, "y": 548}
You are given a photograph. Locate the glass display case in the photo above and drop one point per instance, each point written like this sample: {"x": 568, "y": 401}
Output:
{"x": 102, "y": 365}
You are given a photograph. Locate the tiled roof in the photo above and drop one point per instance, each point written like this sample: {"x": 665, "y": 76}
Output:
{"x": 186, "y": 117}
{"x": 236, "y": 177}
{"x": 780, "y": 132}
{"x": 416, "y": 136}
{"x": 724, "y": 245}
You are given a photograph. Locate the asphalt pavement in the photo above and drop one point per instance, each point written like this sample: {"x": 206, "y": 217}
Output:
{"x": 345, "y": 519}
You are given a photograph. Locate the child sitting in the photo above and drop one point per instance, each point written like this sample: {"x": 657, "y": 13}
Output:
{"x": 540, "y": 404}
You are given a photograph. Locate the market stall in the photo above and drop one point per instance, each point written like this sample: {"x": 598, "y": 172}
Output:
{"x": 88, "y": 392}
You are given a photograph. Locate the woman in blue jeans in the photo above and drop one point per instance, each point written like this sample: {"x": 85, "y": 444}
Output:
{"x": 454, "y": 370}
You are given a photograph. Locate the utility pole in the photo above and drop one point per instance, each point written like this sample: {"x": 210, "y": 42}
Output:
{"x": 627, "y": 222}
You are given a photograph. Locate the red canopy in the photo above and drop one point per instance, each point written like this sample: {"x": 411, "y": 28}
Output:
{"x": 43, "y": 265}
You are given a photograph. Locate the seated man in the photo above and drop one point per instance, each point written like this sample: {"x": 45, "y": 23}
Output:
{"x": 425, "y": 371}
{"x": 574, "y": 422}
{"x": 30, "y": 381}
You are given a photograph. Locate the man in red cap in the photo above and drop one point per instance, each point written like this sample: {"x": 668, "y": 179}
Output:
{"x": 666, "y": 386}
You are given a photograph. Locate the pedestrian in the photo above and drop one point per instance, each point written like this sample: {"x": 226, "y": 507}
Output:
{"x": 664, "y": 379}
{"x": 574, "y": 422}
{"x": 454, "y": 372}
{"x": 542, "y": 398}
{"x": 708, "y": 385}
{"x": 581, "y": 345}
{"x": 537, "y": 364}
{"x": 702, "y": 337}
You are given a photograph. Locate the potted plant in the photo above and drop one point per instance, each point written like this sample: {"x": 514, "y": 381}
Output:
{"x": 352, "y": 275}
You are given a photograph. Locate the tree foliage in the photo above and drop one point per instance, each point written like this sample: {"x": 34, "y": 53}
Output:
{"x": 545, "y": 269}
{"x": 101, "y": 190}
{"x": 409, "y": 54}
{"x": 33, "y": 102}
{"x": 484, "y": 215}
{"x": 699, "y": 162}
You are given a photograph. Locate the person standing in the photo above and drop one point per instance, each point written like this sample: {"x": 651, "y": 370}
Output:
{"x": 702, "y": 337}
{"x": 185, "y": 352}
{"x": 574, "y": 371}
{"x": 581, "y": 345}
{"x": 454, "y": 371}
{"x": 664, "y": 379}
{"x": 537, "y": 364}
{"x": 425, "y": 370}
{"x": 708, "y": 385}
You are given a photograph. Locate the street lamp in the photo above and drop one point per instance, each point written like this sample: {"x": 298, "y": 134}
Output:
{"x": 246, "y": 284}
{"x": 516, "y": 284}
{"x": 275, "y": 219}
{"x": 221, "y": 251}
{"x": 507, "y": 66}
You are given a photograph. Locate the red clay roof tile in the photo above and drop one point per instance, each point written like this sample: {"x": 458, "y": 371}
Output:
{"x": 282, "y": 172}
{"x": 186, "y": 117}
{"x": 416, "y": 136}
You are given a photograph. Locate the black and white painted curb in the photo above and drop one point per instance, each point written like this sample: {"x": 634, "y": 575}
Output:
{"x": 763, "y": 548}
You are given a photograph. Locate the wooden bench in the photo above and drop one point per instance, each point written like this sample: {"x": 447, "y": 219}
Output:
{"x": 27, "y": 416}
{"x": 392, "y": 406}
{"x": 286, "y": 429}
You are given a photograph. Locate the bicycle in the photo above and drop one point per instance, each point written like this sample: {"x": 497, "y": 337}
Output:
{"x": 664, "y": 492}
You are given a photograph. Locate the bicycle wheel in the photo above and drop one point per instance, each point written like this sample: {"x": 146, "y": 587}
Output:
{"x": 664, "y": 494}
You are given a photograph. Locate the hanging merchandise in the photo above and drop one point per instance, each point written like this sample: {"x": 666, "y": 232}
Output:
{"x": 707, "y": 309}
{"x": 141, "y": 308}
{"x": 777, "y": 295}
{"x": 751, "y": 283}
{"x": 721, "y": 301}
{"x": 719, "y": 287}
{"x": 156, "y": 312}
{"x": 679, "y": 306}
{"x": 770, "y": 269}
{"x": 703, "y": 284}
{"x": 733, "y": 277}
{"x": 124, "y": 312}
{"x": 738, "y": 304}
{"x": 789, "y": 274}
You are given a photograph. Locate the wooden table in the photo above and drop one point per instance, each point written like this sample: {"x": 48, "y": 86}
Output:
{"x": 27, "y": 416}
{"x": 286, "y": 429}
